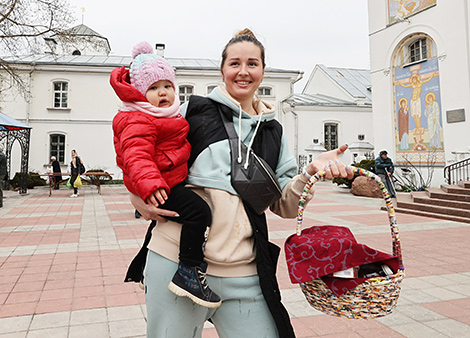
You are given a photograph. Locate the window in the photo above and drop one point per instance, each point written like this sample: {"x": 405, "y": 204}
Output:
{"x": 57, "y": 144}
{"x": 61, "y": 94}
{"x": 264, "y": 91}
{"x": 185, "y": 92}
{"x": 210, "y": 89}
{"x": 331, "y": 136}
{"x": 418, "y": 51}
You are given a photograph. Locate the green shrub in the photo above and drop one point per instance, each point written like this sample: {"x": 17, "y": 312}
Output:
{"x": 31, "y": 181}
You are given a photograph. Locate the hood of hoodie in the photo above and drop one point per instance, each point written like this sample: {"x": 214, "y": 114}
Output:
{"x": 121, "y": 83}
{"x": 221, "y": 95}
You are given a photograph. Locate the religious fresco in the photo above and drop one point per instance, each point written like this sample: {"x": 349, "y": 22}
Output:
{"x": 417, "y": 111}
{"x": 399, "y": 9}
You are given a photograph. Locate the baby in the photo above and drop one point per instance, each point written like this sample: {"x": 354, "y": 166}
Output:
{"x": 152, "y": 151}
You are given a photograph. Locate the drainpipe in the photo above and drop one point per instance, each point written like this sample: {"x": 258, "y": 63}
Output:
{"x": 28, "y": 106}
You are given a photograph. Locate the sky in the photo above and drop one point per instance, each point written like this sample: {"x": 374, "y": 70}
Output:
{"x": 297, "y": 35}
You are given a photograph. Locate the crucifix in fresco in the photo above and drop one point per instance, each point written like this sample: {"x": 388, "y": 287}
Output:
{"x": 416, "y": 81}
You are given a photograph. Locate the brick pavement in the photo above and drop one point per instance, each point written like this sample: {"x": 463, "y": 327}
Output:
{"x": 63, "y": 260}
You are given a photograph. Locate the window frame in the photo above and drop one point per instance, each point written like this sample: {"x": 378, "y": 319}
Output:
{"x": 263, "y": 88}
{"x": 184, "y": 96}
{"x": 57, "y": 152}
{"x": 327, "y": 142}
{"x": 61, "y": 93}
{"x": 418, "y": 50}
{"x": 211, "y": 87}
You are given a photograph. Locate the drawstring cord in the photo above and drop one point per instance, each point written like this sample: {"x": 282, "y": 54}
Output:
{"x": 248, "y": 151}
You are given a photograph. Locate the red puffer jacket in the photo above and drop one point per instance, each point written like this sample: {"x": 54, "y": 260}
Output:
{"x": 152, "y": 152}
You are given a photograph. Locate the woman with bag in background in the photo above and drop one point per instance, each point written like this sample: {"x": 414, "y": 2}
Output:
{"x": 241, "y": 260}
{"x": 76, "y": 168}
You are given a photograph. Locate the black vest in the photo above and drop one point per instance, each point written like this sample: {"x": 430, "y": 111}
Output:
{"x": 206, "y": 127}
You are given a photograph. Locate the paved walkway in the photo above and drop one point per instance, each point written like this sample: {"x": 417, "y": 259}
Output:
{"x": 63, "y": 260}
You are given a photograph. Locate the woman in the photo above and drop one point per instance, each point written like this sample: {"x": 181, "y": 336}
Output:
{"x": 241, "y": 260}
{"x": 75, "y": 169}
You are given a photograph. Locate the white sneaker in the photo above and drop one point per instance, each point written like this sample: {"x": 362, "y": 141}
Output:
{"x": 78, "y": 193}
{"x": 74, "y": 195}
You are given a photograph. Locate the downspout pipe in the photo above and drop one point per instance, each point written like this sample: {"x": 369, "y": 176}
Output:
{"x": 30, "y": 86}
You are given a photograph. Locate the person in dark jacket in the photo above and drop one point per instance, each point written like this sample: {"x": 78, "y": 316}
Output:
{"x": 76, "y": 168}
{"x": 3, "y": 172}
{"x": 384, "y": 168}
{"x": 56, "y": 171}
{"x": 242, "y": 261}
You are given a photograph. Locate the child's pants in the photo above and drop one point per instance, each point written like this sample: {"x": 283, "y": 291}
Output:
{"x": 243, "y": 313}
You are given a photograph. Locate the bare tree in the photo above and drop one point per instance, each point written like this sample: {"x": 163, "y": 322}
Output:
{"x": 23, "y": 26}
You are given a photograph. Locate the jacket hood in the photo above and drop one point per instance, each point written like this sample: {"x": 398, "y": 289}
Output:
{"x": 221, "y": 95}
{"x": 121, "y": 83}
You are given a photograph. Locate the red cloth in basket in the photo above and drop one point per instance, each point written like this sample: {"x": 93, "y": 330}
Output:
{"x": 322, "y": 250}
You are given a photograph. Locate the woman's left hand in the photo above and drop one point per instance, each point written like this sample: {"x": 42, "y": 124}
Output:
{"x": 330, "y": 163}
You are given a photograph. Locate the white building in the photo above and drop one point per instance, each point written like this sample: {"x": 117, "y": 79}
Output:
{"x": 72, "y": 103}
{"x": 334, "y": 108}
{"x": 420, "y": 73}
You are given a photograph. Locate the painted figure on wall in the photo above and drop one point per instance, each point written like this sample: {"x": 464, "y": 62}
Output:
{"x": 416, "y": 82}
{"x": 399, "y": 9}
{"x": 417, "y": 95}
{"x": 403, "y": 124}
{"x": 433, "y": 113}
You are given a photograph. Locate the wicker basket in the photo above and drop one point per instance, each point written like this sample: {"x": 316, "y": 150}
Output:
{"x": 377, "y": 296}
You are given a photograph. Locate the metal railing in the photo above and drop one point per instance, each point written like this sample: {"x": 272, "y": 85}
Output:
{"x": 458, "y": 171}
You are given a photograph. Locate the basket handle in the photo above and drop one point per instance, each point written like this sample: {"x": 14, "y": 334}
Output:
{"x": 396, "y": 246}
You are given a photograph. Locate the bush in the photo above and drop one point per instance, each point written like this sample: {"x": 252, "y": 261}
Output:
{"x": 364, "y": 164}
{"x": 31, "y": 181}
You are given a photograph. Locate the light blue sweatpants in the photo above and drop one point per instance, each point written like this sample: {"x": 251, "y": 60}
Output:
{"x": 243, "y": 313}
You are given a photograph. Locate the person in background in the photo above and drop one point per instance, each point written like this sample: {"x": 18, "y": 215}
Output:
{"x": 384, "y": 168}
{"x": 3, "y": 172}
{"x": 242, "y": 261}
{"x": 56, "y": 171}
{"x": 76, "y": 168}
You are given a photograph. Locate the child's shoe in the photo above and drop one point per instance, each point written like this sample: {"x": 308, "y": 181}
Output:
{"x": 190, "y": 281}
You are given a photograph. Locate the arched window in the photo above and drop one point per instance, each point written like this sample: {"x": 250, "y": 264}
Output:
{"x": 57, "y": 147}
{"x": 76, "y": 52}
{"x": 418, "y": 50}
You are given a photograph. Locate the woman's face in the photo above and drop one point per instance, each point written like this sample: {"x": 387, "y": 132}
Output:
{"x": 243, "y": 70}
{"x": 73, "y": 153}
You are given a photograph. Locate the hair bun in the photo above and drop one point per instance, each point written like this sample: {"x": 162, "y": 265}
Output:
{"x": 245, "y": 31}
{"x": 142, "y": 48}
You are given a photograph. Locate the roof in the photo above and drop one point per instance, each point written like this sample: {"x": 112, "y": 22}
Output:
{"x": 9, "y": 123}
{"x": 82, "y": 30}
{"x": 118, "y": 61}
{"x": 355, "y": 81}
{"x": 317, "y": 100}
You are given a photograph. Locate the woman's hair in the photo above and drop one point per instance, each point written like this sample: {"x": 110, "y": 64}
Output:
{"x": 241, "y": 36}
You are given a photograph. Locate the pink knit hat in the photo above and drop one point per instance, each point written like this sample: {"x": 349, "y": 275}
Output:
{"x": 148, "y": 68}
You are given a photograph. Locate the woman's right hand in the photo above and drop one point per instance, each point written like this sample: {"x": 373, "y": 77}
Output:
{"x": 150, "y": 212}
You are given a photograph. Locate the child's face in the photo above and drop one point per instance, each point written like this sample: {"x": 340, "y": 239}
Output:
{"x": 161, "y": 94}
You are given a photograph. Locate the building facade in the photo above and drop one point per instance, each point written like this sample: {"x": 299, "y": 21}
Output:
{"x": 420, "y": 74}
{"x": 334, "y": 108}
{"x": 72, "y": 104}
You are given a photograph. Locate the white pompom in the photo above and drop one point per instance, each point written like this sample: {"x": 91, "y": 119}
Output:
{"x": 142, "y": 48}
